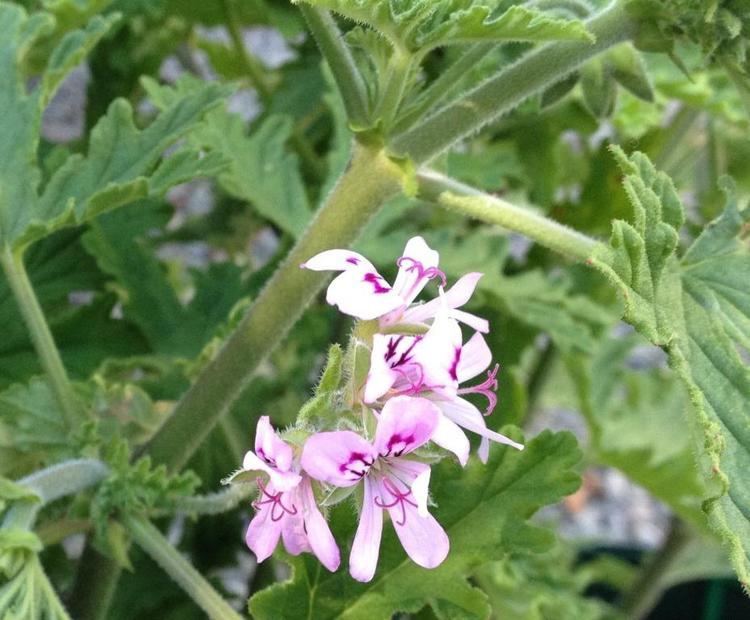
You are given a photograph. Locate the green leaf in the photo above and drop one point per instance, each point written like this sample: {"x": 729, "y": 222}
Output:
{"x": 262, "y": 172}
{"x": 121, "y": 159}
{"x": 698, "y": 310}
{"x": 31, "y": 428}
{"x": 421, "y": 25}
{"x": 483, "y": 508}
{"x": 117, "y": 241}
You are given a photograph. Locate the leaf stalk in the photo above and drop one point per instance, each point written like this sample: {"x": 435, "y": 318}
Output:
{"x": 41, "y": 336}
{"x": 466, "y": 200}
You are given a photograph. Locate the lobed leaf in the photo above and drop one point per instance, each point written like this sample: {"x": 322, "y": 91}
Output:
{"x": 122, "y": 163}
{"x": 698, "y": 309}
{"x": 421, "y": 25}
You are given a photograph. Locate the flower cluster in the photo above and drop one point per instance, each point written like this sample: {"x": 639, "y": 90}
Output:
{"x": 413, "y": 395}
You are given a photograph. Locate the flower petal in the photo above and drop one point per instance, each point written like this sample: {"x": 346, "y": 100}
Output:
{"x": 422, "y": 537}
{"x": 417, "y": 266}
{"x": 405, "y": 424}
{"x": 363, "y": 559}
{"x": 318, "y": 533}
{"x": 341, "y": 458}
{"x": 448, "y": 435}
{"x": 475, "y": 357}
{"x": 439, "y": 354}
{"x": 381, "y": 376}
{"x": 455, "y": 297}
{"x": 463, "y": 413}
{"x": 270, "y": 447}
{"x": 362, "y": 294}
{"x": 263, "y": 534}
{"x": 282, "y": 480}
{"x": 337, "y": 260}
{"x": 415, "y": 476}
{"x": 293, "y": 526}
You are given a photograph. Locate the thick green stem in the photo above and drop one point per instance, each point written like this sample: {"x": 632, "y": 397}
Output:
{"x": 531, "y": 74}
{"x": 370, "y": 180}
{"x": 41, "y": 336}
{"x": 648, "y": 586}
{"x": 349, "y": 80}
{"x": 469, "y": 201}
{"x": 150, "y": 539}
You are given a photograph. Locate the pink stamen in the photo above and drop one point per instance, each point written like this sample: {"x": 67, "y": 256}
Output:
{"x": 275, "y": 500}
{"x": 486, "y": 388}
{"x": 399, "y": 498}
{"x": 415, "y": 265}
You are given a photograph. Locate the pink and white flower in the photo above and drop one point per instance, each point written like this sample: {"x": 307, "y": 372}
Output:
{"x": 360, "y": 291}
{"x": 286, "y": 506}
{"x": 433, "y": 366}
{"x": 391, "y": 482}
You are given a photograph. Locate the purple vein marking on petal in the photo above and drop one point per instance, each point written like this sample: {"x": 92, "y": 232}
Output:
{"x": 454, "y": 364}
{"x": 406, "y": 355}
{"x": 353, "y": 260}
{"x": 392, "y": 346}
{"x": 357, "y": 457}
{"x": 375, "y": 280}
{"x": 396, "y": 440}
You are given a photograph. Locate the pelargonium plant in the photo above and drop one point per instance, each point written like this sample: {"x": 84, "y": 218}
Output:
{"x": 529, "y": 215}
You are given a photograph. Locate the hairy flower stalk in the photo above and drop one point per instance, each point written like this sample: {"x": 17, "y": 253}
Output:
{"x": 413, "y": 396}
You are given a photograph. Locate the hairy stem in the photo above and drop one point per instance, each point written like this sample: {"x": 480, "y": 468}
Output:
{"x": 370, "y": 180}
{"x": 52, "y": 483}
{"x": 648, "y": 586}
{"x": 349, "y": 80}
{"x": 41, "y": 336}
{"x": 151, "y": 540}
{"x": 469, "y": 201}
{"x": 216, "y": 503}
{"x": 512, "y": 85}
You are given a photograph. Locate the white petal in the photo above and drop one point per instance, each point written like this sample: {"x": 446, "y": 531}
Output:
{"x": 381, "y": 377}
{"x": 318, "y": 533}
{"x": 422, "y": 537}
{"x": 363, "y": 559}
{"x": 417, "y": 258}
{"x": 337, "y": 260}
{"x": 415, "y": 476}
{"x": 463, "y": 413}
{"x": 454, "y": 297}
{"x": 282, "y": 480}
{"x": 448, "y": 435}
{"x": 362, "y": 294}
{"x": 475, "y": 357}
{"x": 270, "y": 447}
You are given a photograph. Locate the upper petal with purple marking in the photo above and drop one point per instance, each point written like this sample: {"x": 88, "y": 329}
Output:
{"x": 405, "y": 424}
{"x": 341, "y": 458}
